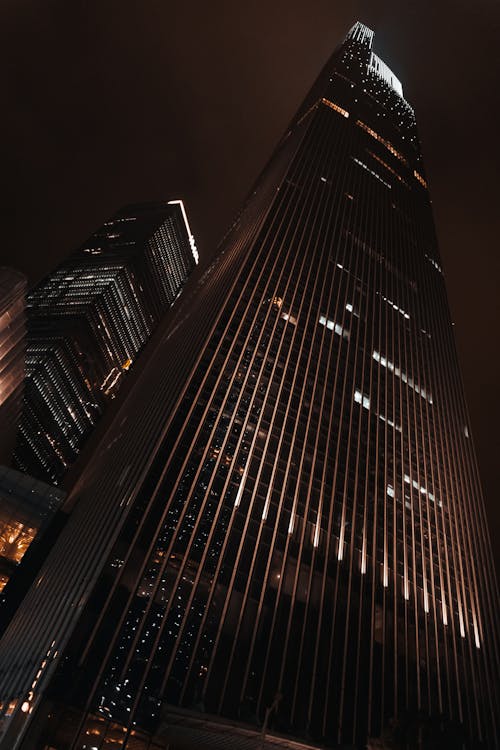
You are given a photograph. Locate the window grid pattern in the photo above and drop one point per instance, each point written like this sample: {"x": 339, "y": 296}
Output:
{"x": 88, "y": 321}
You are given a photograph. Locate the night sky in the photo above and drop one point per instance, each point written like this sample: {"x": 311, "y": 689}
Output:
{"x": 107, "y": 103}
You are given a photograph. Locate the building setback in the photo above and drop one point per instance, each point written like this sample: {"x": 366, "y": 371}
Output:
{"x": 88, "y": 321}
{"x": 285, "y": 527}
{"x": 12, "y": 351}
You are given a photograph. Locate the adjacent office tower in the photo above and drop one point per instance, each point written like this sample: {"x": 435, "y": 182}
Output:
{"x": 88, "y": 321}
{"x": 286, "y": 524}
{"x": 12, "y": 350}
{"x": 26, "y": 508}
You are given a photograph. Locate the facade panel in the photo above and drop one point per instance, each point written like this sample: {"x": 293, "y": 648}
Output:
{"x": 12, "y": 351}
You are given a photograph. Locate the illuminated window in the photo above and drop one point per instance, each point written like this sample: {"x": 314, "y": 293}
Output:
{"x": 351, "y": 309}
{"x": 360, "y": 398}
{"x": 336, "y": 107}
{"x": 378, "y": 67}
{"x": 420, "y": 178}
{"x": 389, "y": 422}
{"x": 192, "y": 243}
{"x": 421, "y": 489}
{"x": 395, "y": 307}
{"x": 434, "y": 263}
{"x": 389, "y": 169}
{"x": 333, "y": 326}
{"x": 377, "y": 176}
{"x": 383, "y": 141}
{"x": 402, "y": 375}
{"x": 15, "y": 538}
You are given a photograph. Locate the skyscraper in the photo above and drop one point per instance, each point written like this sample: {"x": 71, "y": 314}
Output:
{"x": 88, "y": 321}
{"x": 285, "y": 526}
{"x": 12, "y": 351}
{"x": 26, "y": 508}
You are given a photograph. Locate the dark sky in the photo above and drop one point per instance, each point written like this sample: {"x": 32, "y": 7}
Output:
{"x": 107, "y": 102}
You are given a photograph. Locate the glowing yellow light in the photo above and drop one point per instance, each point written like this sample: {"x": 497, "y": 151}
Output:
{"x": 381, "y": 140}
{"x": 11, "y": 708}
{"x": 15, "y": 538}
{"x": 336, "y": 107}
{"x": 420, "y": 178}
{"x": 389, "y": 169}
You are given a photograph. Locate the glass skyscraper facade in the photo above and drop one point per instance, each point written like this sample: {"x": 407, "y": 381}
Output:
{"x": 88, "y": 321}
{"x": 12, "y": 351}
{"x": 286, "y": 528}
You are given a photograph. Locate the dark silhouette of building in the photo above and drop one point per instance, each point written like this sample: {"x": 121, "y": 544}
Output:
{"x": 26, "y": 508}
{"x": 12, "y": 351}
{"x": 285, "y": 525}
{"x": 87, "y": 323}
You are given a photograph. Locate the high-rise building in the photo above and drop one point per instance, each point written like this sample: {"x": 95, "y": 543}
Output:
{"x": 88, "y": 321}
{"x": 285, "y": 526}
{"x": 12, "y": 351}
{"x": 26, "y": 508}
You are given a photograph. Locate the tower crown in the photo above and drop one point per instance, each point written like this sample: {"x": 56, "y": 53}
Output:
{"x": 362, "y": 35}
